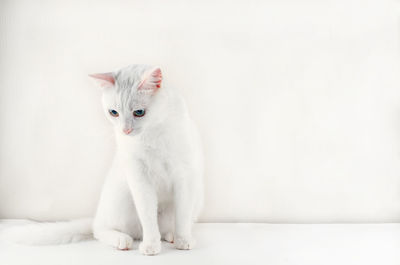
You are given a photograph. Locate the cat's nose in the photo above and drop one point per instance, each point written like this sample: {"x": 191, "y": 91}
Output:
{"x": 127, "y": 131}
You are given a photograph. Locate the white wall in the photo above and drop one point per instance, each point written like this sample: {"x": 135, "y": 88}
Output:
{"x": 298, "y": 103}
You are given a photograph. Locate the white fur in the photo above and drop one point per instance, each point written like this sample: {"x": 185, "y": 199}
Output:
{"x": 33, "y": 233}
{"x": 154, "y": 188}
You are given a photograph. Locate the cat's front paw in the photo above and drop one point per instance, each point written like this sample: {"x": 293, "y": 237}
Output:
{"x": 169, "y": 237}
{"x": 150, "y": 248}
{"x": 124, "y": 242}
{"x": 184, "y": 243}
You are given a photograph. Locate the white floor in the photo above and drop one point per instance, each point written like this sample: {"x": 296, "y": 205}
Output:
{"x": 274, "y": 244}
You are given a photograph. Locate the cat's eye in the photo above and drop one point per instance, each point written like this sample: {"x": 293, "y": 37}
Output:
{"x": 113, "y": 113}
{"x": 139, "y": 113}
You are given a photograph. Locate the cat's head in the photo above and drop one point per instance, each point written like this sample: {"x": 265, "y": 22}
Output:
{"x": 127, "y": 96}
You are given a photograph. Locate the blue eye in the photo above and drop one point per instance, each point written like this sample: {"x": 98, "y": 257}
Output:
{"x": 139, "y": 113}
{"x": 113, "y": 113}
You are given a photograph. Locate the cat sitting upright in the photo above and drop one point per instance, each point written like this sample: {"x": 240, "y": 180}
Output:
{"x": 158, "y": 163}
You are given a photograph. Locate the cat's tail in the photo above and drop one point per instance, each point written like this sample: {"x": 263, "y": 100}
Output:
{"x": 38, "y": 233}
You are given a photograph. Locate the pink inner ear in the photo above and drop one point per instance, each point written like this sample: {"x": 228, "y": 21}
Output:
{"x": 108, "y": 77}
{"x": 152, "y": 81}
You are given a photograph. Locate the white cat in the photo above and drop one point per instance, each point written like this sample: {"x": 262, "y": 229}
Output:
{"x": 154, "y": 188}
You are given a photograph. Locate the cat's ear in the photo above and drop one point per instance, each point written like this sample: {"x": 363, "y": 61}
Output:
{"x": 104, "y": 80}
{"x": 151, "y": 80}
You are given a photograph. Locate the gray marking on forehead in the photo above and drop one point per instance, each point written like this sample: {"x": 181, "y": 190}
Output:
{"x": 127, "y": 80}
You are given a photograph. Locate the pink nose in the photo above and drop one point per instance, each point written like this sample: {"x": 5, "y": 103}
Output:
{"x": 127, "y": 131}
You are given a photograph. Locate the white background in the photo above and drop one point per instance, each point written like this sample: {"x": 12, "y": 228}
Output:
{"x": 297, "y": 103}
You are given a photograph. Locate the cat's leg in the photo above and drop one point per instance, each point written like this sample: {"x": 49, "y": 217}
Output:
{"x": 145, "y": 199}
{"x": 116, "y": 220}
{"x": 166, "y": 222}
{"x": 184, "y": 200}
{"x": 114, "y": 238}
